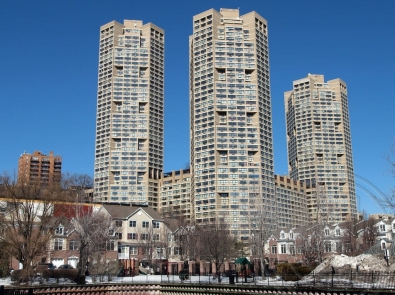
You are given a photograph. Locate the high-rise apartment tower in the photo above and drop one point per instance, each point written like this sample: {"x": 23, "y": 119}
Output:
{"x": 319, "y": 146}
{"x": 129, "y": 124}
{"x": 231, "y": 124}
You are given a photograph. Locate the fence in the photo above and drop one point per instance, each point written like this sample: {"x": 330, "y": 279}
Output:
{"x": 370, "y": 280}
{"x": 329, "y": 281}
{"x": 365, "y": 280}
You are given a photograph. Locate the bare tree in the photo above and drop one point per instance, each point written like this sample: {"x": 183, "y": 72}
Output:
{"x": 262, "y": 225}
{"x": 217, "y": 245}
{"x": 187, "y": 165}
{"x": 358, "y": 236}
{"x": 389, "y": 200}
{"x": 27, "y": 221}
{"x": 166, "y": 236}
{"x": 150, "y": 241}
{"x": 93, "y": 226}
{"x": 310, "y": 243}
{"x": 76, "y": 186}
{"x": 94, "y": 231}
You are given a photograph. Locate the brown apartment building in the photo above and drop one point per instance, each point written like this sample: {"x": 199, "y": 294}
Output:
{"x": 38, "y": 167}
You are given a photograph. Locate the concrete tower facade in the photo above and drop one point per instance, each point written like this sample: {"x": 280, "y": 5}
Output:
{"x": 129, "y": 126}
{"x": 319, "y": 146}
{"x": 231, "y": 125}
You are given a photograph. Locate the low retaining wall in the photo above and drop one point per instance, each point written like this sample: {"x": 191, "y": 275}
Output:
{"x": 180, "y": 289}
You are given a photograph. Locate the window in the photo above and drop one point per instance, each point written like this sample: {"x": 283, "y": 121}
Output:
{"x": 282, "y": 235}
{"x": 132, "y": 223}
{"x": 123, "y": 251}
{"x": 145, "y": 250}
{"x": 155, "y": 224}
{"x": 283, "y": 249}
{"x": 339, "y": 247}
{"x": 110, "y": 245}
{"x": 382, "y": 227}
{"x": 59, "y": 230}
{"x": 155, "y": 237}
{"x": 145, "y": 224}
{"x": 177, "y": 251}
{"x": 291, "y": 235}
{"x": 337, "y": 232}
{"x": 119, "y": 236}
{"x": 326, "y": 231}
{"x": 118, "y": 223}
{"x": 131, "y": 236}
{"x": 292, "y": 249}
{"x": 144, "y": 236}
{"x": 328, "y": 247}
{"x": 58, "y": 244}
{"x": 274, "y": 249}
{"x": 133, "y": 251}
{"x": 73, "y": 245}
{"x": 300, "y": 250}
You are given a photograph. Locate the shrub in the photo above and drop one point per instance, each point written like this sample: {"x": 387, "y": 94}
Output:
{"x": 292, "y": 271}
{"x": 71, "y": 274}
{"x": 16, "y": 274}
{"x": 21, "y": 275}
{"x": 4, "y": 262}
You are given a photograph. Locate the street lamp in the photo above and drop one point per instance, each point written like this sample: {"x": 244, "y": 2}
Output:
{"x": 387, "y": 256}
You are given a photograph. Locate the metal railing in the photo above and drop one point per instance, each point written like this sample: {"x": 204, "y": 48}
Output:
{"x": 292, "y": 282}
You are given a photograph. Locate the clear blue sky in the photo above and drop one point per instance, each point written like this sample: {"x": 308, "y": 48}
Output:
{"x": 49, "y": 62}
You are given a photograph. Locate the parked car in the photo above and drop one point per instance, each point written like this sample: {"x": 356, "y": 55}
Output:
{"x": 43, "y": 266}
{"x": 230, "y": 272}
{"x": 65, "y": 266}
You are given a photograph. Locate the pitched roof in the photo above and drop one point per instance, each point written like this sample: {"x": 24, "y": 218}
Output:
{"x": 172, "y": 223}
{"x": 123, "y": 211}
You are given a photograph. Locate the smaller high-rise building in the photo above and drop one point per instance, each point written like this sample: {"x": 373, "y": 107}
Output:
{"x": 175, "y": 195}
{"x": 291, "y": 202}
{"x": 319, "y": 146}
{"x": 39, "y": 168}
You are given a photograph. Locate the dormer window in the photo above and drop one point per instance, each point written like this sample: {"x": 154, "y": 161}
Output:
{"x": 326, "y": 231}
{"x": 291, "y": 235}
{"x": 59, "y": 230}
{"x": 337, "y": 232}
{"x": 382, "y": 227}
{"x": 282, "y": 235}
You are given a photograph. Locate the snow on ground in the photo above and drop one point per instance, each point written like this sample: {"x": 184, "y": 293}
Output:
{"x": 5, "y": 281}
{"x": 164, "y": 279}
{"x": 364, "y": 262}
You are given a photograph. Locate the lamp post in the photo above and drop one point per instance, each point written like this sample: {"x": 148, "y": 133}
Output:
{"x": 387, "y": 256}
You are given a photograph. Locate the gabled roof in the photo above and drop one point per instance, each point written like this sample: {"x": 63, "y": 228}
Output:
{"x": 172, "y": 224}
{"x": 122, "y": 211}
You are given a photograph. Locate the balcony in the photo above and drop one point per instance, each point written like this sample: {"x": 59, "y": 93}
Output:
{"x": 123, "y": 256}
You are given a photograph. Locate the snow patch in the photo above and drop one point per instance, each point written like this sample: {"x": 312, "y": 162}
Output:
{"x": 364, "y": 262}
